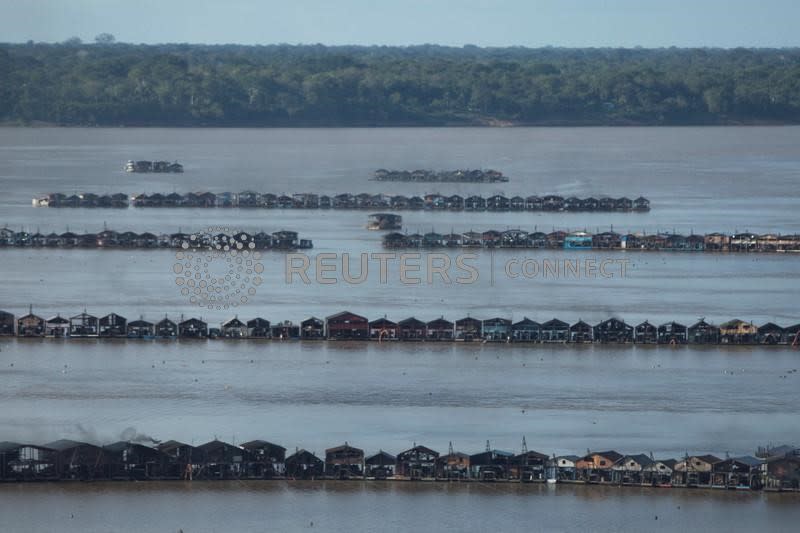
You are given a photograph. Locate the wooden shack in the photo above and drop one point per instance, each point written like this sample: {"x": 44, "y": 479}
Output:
{"x": 83, "y": 325}
{"x": 344, "y": 462}
{"x": 411, "y": 329}
{"x": 141, "y": 329}
{"x": 285, "y": 330}
{"x": 303, "y": 464}
{"x": 453, "y": 466}
{"x": 233, "y": 328}
{"x": 555, "y": 330}
{"x": 490, "y": 465}
{"x": 737, "y": 332}
{"x": 703, "y": 333}
{"x": 222, "y": 460}
{"x": 694, "y": 471}
{"x": 78, "y": 460}
{"x": 783, "y": 472}
{"x": 346, "y": 326}
{"x": 312, "y": 328}
{"x": 30, "y": 325}
{"x": 113, "y": 325}
{"x": 630, "y": 469}
{"x": 382, "y": 329}
{"x": 133, "y": 461}
{"x": 496, "y": 330}
{"x": 182, "y": 459}
{"x": 596, "y": 467}
{"x": 7, "y": 326}
{"x": 27, "y": 462}
{"x": 267, "y": 459}
{"x": 526, "y": 330}
{"x": 418, "y": 462}
{"x": 659, "y": 473}
{"x": 771, "y": 333}
{"x": 613, "y": 330}
{"x": 192, "y": 328}
{"x": 380, "y": 465}
{"x": 529, "y": 466}
{"x": 468, "y": 329}
{"x": 258, "y": 328}
{"x": 439, "y": 329}
{"x": 672, "y": 333}
{"x": 645, "y": 333}
{"x": 581, "y": 332}
{"x": 737, "y": 473}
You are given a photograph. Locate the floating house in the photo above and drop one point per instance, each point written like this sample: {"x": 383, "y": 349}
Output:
{"x": 222, "y": 460}
{"x": 411, "y": 329}
{"x": 658, "y": 473}
{"x": 579, "y": 240}
{"x": 285, "y": 330}
{"x": 30, "y": 325}
{"x": 630, "y": 469}
{"x": 312, "y": 328}
{"x": 496, "y": 330}
{"x": 771, "y": 333}
{"x": 468, "y": 329}
{"x": 258, "y": 328}
{"x": 346, "y": 326}
{"x": 529, "y": 466}
{"x": 267, "y": 459}
{"x": 113, "y": 325}
{"x": 383, "y": 329}
{"x": 182, "y": 459}
{"x": 132, "y": 461}
{"x": 694, "y": 471}
{"x": 439, "y": 329}
{"x": 526, "y": 330}
{"x": 166, "y": 329}
{"x": 491, "y": 465}
{"x": 703, "y": 333}
{"x": 78, "y": 460}
{"x": 141, "y": 329}
{"x": 555, "y": 330}
{"x": 613, "y": 330}
{"x": 83, "y": 325}
{"x": 304, "y": 465}
{"x": 453, "y": 466}
{"x": 418, "y": 462}
{"x": 581, "y": 332}
{"x": 380, "y": 465}
{"x": 737, "y": 332}
{"x": 233, "y": 328}
{"x": 193, "y": 328}
{"x": 645, "y": 333}
{"x": 597, "y": 467}
{"x": 737, "y": 473}
{"x": 344, "y": 462}
{"x": 7, "y": 326}
{"x": 783, "y": 472}
{"x": 672, "y": 333}
{"x": 565, "y": 466}
{"x": 27, "y": 462}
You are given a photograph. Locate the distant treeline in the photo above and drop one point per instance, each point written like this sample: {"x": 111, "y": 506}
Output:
{"x": 280, "y": 85}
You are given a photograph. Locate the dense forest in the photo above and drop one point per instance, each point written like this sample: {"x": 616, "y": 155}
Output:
{"x": 107, "y": 83}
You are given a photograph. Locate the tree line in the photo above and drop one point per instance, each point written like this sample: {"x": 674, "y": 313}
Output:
{"x": 108, "y": 83}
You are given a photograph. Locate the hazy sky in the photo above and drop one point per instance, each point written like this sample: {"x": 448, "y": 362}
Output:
{"x": 649, "y": 23}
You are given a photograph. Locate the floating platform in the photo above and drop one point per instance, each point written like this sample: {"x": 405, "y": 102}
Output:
{"x": 605, "y": 241}
{"x": 444, "y": 176}
{"x": 433, "y": 202}
{"x": 142, "y": 460}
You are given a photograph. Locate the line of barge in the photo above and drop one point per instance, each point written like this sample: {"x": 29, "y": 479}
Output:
{"x": 348, "y": 326}
{"x": 65, "y": 460}
{"x": 434, "y": 202}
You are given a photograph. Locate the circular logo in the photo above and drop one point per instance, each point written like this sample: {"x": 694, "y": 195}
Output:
{"x": 218, "y": 270}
